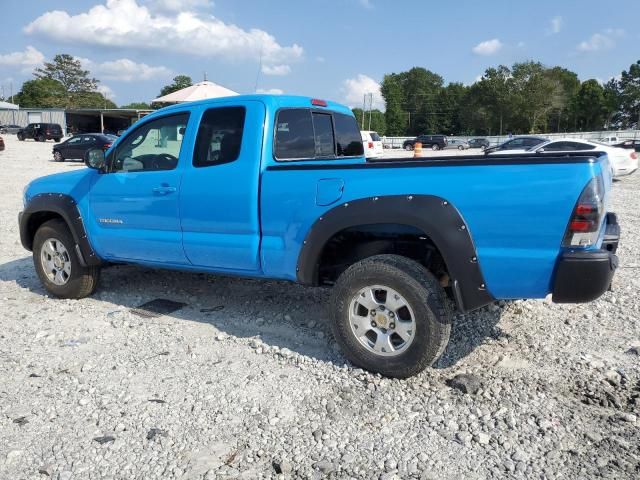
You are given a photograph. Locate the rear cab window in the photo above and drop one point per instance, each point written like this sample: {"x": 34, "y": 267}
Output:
{"x": 309, "y": 134}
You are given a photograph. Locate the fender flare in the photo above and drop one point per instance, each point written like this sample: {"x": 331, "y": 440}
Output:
{"x": 436, "y": 217}
{"x": 67, "y": 208}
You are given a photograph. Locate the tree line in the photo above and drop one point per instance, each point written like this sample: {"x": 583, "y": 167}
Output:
{"x": 526, "y": 98}
{"x": 63, "y": 83}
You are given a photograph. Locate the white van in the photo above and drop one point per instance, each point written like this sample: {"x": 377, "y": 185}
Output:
{"x": 372, "y": 144}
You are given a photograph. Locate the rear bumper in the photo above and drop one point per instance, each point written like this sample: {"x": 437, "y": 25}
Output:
{"x": 583, "y": 276}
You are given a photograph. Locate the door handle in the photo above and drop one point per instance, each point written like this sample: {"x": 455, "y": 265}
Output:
{"x": 164, "y": 190}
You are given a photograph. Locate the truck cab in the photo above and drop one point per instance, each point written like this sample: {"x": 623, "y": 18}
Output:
{"x": 278, "y": 187}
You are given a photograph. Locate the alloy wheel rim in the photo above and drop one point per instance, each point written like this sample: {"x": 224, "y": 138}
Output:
{"x": 382, "y": 320}
{"x": 56, "y": 262}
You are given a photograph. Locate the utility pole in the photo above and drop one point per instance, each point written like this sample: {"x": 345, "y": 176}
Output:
{"x": 364, "y": 108}
{"x": 370, "y": 108}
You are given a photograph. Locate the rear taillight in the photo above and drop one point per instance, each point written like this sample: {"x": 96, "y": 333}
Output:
{"x": 634, "y": 155}
{"x": 370, "y": 144}
{"x": 106, "y": 146}
{"x": 586, "y": 218}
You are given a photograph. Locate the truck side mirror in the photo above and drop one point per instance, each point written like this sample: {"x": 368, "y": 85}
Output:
{"x": 94, "y": 158}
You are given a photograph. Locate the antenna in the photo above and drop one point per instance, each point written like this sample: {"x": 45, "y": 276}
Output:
{"x": 205, "y": 76}
{"x": 255, "y": 89}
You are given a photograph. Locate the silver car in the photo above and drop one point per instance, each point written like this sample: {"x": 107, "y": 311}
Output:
{"x": 459, "y": 144}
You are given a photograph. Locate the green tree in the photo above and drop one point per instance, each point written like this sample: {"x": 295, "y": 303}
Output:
{"x": 179, "y": 82}
{"x": 378, "y": 123}
{"x": 563, "y": 114}
{"x": 42, "y": 93}
{"x": 536, "y": 93}
{"x": 494, "y": 93}
{"x": 590, "y": 106}
{"x": 396, "y": 118}
{"x": 629, "y": 87}
{"x": 137, "y": 106}
{"x": 69, "y": 72}
{"x": 422, "y": 89}
{"x": 612, "y": 103}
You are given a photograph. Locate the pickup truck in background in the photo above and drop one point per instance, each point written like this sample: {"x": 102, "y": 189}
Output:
{"x": 277, "y": 187}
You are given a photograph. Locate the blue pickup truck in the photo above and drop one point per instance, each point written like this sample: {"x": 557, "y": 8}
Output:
{"x": 278, "y": 187}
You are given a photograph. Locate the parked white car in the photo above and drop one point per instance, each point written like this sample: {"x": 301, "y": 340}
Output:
{"x": 623, "y": 161}
{"x": 609, "y": 140}
{"x": 372, "y": 144}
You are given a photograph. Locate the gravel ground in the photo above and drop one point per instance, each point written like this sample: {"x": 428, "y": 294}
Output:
{"x": 243, "y": 382}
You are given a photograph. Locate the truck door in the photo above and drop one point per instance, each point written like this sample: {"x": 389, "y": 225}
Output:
{"x": 219, "y": 196}
{"x": 135, "y": 204}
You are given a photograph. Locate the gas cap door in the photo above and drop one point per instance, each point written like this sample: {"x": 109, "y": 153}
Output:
{"x": 328, "y": 191}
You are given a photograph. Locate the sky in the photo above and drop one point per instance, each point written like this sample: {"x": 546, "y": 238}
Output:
{"x": 333, "y": 49}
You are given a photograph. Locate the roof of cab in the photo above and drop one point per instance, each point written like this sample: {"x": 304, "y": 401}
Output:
{"x": 271, "y": 101}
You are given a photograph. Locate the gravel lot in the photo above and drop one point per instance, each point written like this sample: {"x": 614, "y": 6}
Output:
{"x": 244, "y": 382}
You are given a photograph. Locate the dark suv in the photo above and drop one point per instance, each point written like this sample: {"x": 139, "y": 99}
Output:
{"x": 41, "y": 132}
{"x": 434, "y": 142}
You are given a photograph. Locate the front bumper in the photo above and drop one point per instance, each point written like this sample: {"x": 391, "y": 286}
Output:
{"x": 583, "y": 276}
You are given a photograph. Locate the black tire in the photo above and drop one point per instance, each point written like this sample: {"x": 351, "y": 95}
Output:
{"x": 57, "y": 140}
{"x": 20, "y": 137}
{"x": 423, "y": 293}
{"x": 408, "y": 147}
{"x": 460, "y": 147}
{"x": 41, "y": 138}
{"x": 57, "y": 156}
{"x": 435, "y": 148}
{"x": 82, "y": 281}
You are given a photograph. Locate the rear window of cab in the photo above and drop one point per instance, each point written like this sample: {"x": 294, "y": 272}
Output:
{"x": 308, "y": 134}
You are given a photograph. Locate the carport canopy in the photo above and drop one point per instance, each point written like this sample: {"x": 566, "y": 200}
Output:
{"x": 88, "y": 120}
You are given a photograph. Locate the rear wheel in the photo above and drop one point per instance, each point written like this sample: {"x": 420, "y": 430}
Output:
{"x": 408, "y": 147}
{"x": 58, "y": 265}
{"x": 460, "y": 147}
{"x": 20, "y": 137}
{"x": 435, "y": 148}
{"x": 57, "y": 140}
{"x": 40, "y": 138}
{"x": 390, "y": 316}
{"x": 57, "y": 156}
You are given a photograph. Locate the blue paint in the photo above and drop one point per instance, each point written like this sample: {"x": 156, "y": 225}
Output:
{"x": 240, "y": 218}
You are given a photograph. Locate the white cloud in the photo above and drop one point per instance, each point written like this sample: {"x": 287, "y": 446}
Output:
{"x": 488, "y": 47}
{"x": 556, "y": 23}
{"x": 321, "y": 59}
{"x": 270, "y": 91}
{"x": 601, "y": 41}
{"x": 124, "y": 70}
{"x": 179, "y": 5}
{"x": 125, "y": 24}
{"x": 26, "y": 61}
{"x": 366, "y": 3}
{"x": 356, "y": 88}
{"x": 278, "y": 70}
{"x": 106, "y": 91}
{"x": 520, "y": 44}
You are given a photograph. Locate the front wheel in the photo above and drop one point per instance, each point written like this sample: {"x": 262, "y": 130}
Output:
{"x": 390, "y": 316}
{"x": 20, "y": 137}
{"x": 435, "y": 148}
{"x": 57, "y": 140}
{"x": 57, "y": 157}
{"x": 408, "y": 147}
{"x": 58, "y": 265}
{"x": 460, "y": 147}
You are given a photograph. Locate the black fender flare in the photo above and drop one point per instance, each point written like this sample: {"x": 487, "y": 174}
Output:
{"x": 66, "y": 207}
{"x": 436, "y": 217}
